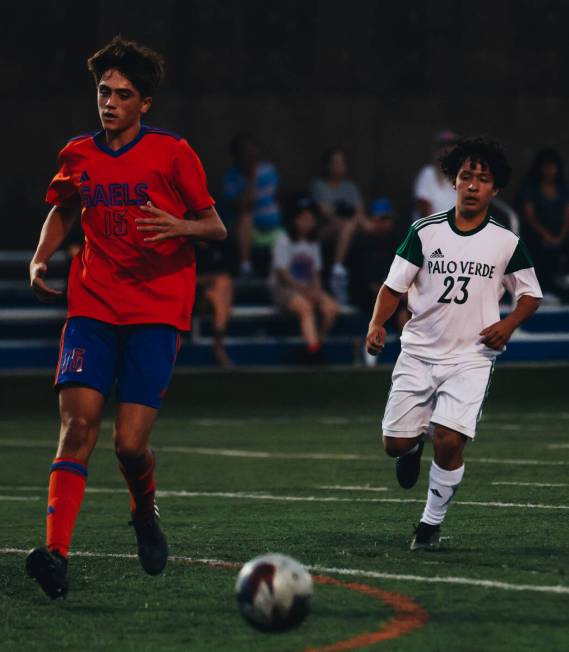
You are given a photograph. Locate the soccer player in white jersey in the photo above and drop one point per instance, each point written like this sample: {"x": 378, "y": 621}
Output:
{"x": 454, "y": 266}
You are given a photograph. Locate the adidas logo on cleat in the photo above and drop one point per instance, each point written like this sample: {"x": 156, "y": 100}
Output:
{"x": 437, "y": 253}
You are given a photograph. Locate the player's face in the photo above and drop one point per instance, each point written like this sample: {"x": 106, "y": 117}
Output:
{"x": 120, "y": 103}
{"x": 474, "y": 188}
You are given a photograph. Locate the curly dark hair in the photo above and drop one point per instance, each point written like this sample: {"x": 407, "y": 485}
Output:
{"x": 488, "y": 153}
{"x": 143, "y": 67}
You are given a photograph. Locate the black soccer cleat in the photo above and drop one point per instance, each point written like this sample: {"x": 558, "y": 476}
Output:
{"x": 427, "y": 537}
{"x": 408, "y": 467}
{"x": 49, "y": 569}
{"x": 152, "y": 544}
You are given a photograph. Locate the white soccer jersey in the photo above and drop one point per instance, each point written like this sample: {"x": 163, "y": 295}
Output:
{"x": 455, "y": 280}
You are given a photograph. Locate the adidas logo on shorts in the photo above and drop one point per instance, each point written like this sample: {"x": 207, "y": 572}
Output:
{"x": 437, "y": 253}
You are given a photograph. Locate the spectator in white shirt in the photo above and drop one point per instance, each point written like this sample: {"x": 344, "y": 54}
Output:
{"x": 433, "y": 192}
{"x": 295, "y": 280}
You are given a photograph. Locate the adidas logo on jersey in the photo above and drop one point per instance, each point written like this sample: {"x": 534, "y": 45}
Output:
{"x": 437, "y": 254}
{"x": 84, "y": 177}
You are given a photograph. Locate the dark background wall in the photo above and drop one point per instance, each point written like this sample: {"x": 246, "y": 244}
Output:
{"x": 375, "y": 77}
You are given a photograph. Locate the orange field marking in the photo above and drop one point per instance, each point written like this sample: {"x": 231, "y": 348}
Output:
{"x": 407, "y": 617}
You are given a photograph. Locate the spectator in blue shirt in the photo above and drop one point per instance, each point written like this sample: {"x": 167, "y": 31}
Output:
{"x": 250, "y": 190}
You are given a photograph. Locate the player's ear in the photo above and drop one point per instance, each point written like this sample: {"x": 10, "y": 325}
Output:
{"x": 146, "y": 104}
{"x": 495, "y": 191}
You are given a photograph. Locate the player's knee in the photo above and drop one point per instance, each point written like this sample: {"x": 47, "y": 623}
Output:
{"x": 396, "y": 446}
{"x": 77, "y": 431}
{"x": 448, "y": 444}
{"x": 128, "y": 448}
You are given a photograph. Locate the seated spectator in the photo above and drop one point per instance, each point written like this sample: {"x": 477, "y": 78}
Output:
{"x": 295, "y": 281}
{"x": 432, "y": 191}
{"x": 250, "y": 190}
{"x": 216, "y": 263}
{"x": 342, "y": 210}
{"x": 544, "y": 209}
{"x": 372, "y": 254}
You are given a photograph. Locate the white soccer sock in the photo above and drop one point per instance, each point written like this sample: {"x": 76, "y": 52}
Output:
{"x": 442, "y": 487}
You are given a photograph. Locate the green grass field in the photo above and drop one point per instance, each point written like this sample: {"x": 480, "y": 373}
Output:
{"x": 291, "y": 462}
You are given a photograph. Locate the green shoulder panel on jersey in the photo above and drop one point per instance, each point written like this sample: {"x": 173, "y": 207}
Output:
{"x": 411, "y": 248}
{"x": 423, "y": 221}
{"x": 520, "y": 259}
{"x": 502, "y": 226}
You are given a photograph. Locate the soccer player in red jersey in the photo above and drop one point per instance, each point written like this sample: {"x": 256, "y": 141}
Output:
{"x": 143, "y": 199}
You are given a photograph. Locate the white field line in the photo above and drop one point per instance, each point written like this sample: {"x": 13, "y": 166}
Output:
{"x": 557, "y": 446}
{"x": 242, "y": 495}
{"x": 330, "y": 421}
{"x": 532, "y": 484}
{"x": 350, "y": 572}
{"x": 352, "y": 488}
{"x": 24, "y": 498}
{"x": 255, "y": 454}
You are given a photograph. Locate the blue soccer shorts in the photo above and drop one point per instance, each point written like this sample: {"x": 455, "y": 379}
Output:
{"x": 140, "y": 358}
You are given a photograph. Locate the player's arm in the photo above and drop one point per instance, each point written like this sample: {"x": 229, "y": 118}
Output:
{"x": 54, "y": 231}
{"x": 497, "y": 335}
{"x": 386, "y": 304}
{"x": 521, "y": 282}
{"x": 404, "y": 268}
{"x": 207, "y": 225}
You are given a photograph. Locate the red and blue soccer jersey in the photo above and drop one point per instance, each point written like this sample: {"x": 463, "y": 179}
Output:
{"x": 117, "y": 277}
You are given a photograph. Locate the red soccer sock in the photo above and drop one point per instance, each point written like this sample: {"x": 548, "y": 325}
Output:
{"x": 313, "y": 348}
{"x": 66, "y": 490}
{"x": 139, "y": 476}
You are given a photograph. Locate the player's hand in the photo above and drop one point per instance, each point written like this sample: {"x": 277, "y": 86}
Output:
{"x": 41, "y": 289}
{"x": 497, "y": 335}
{"x": 162, "y": 223}
{"x": 375, "y": 340}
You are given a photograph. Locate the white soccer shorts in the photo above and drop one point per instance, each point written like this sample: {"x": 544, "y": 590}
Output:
{"x": 423, "y": 393}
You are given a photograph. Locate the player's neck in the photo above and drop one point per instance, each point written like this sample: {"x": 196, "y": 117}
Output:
{"x": 469, "y": 222}
{"x": 117, "y": 139}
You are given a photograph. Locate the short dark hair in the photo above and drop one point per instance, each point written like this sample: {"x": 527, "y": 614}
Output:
{"x": 481, "y": 149}
{"x": 143, "y": 67}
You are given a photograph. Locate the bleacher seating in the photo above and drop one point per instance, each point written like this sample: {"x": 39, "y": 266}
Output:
{"x": 258, "y": 335}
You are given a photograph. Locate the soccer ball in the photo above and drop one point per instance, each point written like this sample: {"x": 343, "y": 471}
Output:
{"x": 273, "y": 592}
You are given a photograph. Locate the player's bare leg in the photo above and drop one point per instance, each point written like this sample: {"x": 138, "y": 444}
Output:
{"x": 447, "y": 470}
{"x": 131, "y": 436}
{"x": 408, "y": 451}
{"x": 81, "y": 410}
